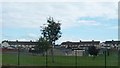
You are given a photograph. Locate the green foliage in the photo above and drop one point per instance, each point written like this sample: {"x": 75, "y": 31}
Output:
{"x": 52, "y": 31}
{"x": 93, "y": 51}
{"x": 43, "y": 45}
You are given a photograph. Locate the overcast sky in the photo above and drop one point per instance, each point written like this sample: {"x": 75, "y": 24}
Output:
{"x": 80, "y": 20}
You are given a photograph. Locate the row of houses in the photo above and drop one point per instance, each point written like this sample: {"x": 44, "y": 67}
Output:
{"x": 81, "y": 47}
{"x": 65, "y": 48}
{"x": 67, "y": 44}
{"x": 24, "y": 44}
{"x": 84, "y": 44}
{"x": 80, "y": 44}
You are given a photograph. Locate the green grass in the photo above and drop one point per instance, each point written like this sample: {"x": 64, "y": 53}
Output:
{"x": 30, "y": 60}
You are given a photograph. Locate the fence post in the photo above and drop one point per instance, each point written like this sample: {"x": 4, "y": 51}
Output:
{"x": 76, "y": 58}
{"x": 18, "y": 56}
{"x": 105, "y": 58}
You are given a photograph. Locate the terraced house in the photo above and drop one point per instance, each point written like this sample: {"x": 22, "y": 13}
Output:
{"x": 80, "y": 45}
{"x": 66, "y": 48}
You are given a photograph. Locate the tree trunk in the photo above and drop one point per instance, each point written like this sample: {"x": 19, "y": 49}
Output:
{"x": 52, "y": 55}
{"x": 43, "y": 53}
{"x": 93, "y": 57}
{"x": 46, "y": 58}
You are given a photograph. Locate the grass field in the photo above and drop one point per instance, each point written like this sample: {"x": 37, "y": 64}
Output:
{"x": 35, "y": 60}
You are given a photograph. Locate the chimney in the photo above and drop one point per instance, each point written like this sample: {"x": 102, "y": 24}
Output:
{"x": 30, "y": 40}
{"x": 80, "y": 41}
{"x": 113, "y": 42}
{"x": 16, "y": 40}
{"x": 93, "y": 42}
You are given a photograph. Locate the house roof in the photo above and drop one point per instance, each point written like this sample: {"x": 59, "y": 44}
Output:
{"x": 21, "y": 42}
{"x": 112, "y": 42}
{"x": 81, "y": 42}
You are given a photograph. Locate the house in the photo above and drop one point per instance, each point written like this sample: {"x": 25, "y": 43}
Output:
{"x": 112, "y": 44}
{"x": 80, "y": 45}
{"x": 80, "y": 48}
{"x": 26, "y": 45}
{"x": 19, "y": 43}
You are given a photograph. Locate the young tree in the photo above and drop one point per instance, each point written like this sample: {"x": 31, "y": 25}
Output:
{"x": 52, "y": 32}
{"x": 42, "y": 46}
{"x": 93, "y": 51}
